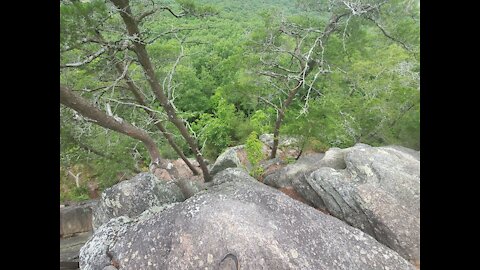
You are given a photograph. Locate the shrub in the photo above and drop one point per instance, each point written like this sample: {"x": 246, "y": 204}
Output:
{"x": 253, "y": 147}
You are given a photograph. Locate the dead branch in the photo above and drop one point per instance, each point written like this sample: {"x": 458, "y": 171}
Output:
{"x": 385, "y": 33}
{"x": 87, "y": 60}
{"x": 153, "y": 11}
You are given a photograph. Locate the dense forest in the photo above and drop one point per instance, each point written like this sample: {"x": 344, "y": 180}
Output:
{"x": 142, "y": 81}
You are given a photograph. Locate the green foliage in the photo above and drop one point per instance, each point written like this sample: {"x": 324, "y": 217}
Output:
{"x": 80, "y": 193}
{"x": 74, "y": 15}
{"x": 68, "y": 188}
{"x": 253, "y": 147}
{"x": 193, "y": 91}
{"x": 317, "y": 146}
{"x": 187, "y": 4}
{"x": 190, "y": 7}
{"x": 216, "y": 130}
{"x": 290, "y": 160}
{"x": 111, "y": 173}
{"x": 115, "y": 161}
{"x": 75, "y": 195}
{"x": 260, "y": 122}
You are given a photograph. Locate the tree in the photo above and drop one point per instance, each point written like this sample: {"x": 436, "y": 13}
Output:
{"x": 292, "y": 51}
{"x": 126, "y": 43}
{"x": 137, "y": 93}
{"x": 158, "y": 123}
{"x": 131, "y": 23}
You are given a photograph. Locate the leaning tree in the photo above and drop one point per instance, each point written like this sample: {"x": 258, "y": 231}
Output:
{"x": 106, "y": 39}
{"x": 293, "y": 55}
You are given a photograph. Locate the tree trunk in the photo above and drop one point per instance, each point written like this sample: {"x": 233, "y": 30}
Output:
{"x": 79, "y": 104}
{"x": 281, "y": 116}
{"x": 141, "y": 100}
{"x": 276, "y": 131}
{"x": 305, "y": 139}
{"x": 144, "y": 59}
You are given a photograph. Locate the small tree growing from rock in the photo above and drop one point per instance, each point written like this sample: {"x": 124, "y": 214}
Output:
{"x": 253, "y": 147}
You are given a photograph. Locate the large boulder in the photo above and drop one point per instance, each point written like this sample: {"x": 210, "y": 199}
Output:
{"x": 70, "y": 247}
{"x": 131, "y": 197}
{"x": 412, "y": 152}
{"x": 283, "y": 177}
{"x": 297, "y": 174}
{"x": 292, "y": 177}
{"x": 177, "y": 169}
{"x": 377, "y": 192}
{"x": 288, "y": 147}
{"x": 230, "y": 158}
{"x": 234, "y": 157}
{"x": 283, "y": 141}
{"x": 238, "y": 223}
{"x": 76, "y": 219}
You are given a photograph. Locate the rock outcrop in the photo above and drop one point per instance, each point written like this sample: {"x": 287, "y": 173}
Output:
{"x": 284, "y": 141}
{"x": 70, "y": 247}
{"x": 376, "y": 189}
{"x": 236, "y": 157}
{"x": 230, "y": 158}
{"x": 292, "y": 177}
{"x": 283, "y": 177}
{"x": 238, "y": 223}
{"x": 176, "y": 169}
{"x": 378, "y": 192}
{"x": 132, "y": 197}
{"x": 76, "y": 219}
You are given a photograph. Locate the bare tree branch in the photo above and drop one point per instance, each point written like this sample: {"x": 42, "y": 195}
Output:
{"x": 83, "y": 107}
{"x": 307, "y": 97}
{"x": 145, "y": 14}
{"x": 278, "y": 75}
{"x": 86, "y": 60}
{"x": 171, "y": 12}
{"x": 150, "y": 12}
{"x": 358, "y": 8}
{"x": 277, "y": 87}
{"x": 173, "y": 31}
{"x": 268, "y": 102}
{"x": 169, "y": 77}
{"x": 345, "y": 32}
{"x": 388, "y": 35}
{"x": 82, "y": 42}
{"x": 278, "y": 66}
{"x": 137, "y": 105}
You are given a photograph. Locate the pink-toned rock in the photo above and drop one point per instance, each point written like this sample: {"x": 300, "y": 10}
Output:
{"x": 162, "y": 174}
